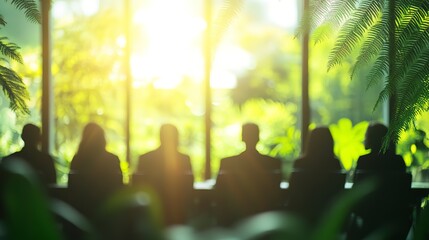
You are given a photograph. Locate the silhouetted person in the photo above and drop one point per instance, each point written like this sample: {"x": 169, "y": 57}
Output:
{"x": 317, "y": 178}
{"x": 250, "y": 159}
{"x": 319, "y": 154}
{"x": 94, "y": 172}
{"x": 41, "y": 163}
{"x": 379, "y": 160}
{"x": 166, "y": 158}
{"x": 386, "y": 208}
{"x": 169, "y": 173}
{"x": 249, "y": 182}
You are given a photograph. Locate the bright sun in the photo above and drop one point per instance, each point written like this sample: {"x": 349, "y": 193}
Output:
{"x": 173, "y": 49}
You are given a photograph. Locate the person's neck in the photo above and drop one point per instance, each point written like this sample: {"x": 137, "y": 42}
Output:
{"x": 30, "y": 147}
{"x": 251, "y": 149}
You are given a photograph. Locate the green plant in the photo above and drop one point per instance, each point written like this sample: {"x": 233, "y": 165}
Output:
{"x": 11, "y": 82}
{"x": 392, "y": 37}
{"x": 348, "y": 141}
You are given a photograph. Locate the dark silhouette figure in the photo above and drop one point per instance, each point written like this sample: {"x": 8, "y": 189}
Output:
{"x": 319, "y": 154}
{"x": 317, "y": 177}
{"x": 379, "y": 160}
{"x": 166, "y": 158}
{"x": 95, "y": 173}
{"x": 41, "y": 163}
{"x": 387, "y": 207}
{"x": 168, "y": 173}
{"x": 248, "y": 183}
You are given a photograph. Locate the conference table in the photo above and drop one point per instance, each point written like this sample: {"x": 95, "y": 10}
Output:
{"x": 419, "y": 190}
{"x": 204, "y": 194}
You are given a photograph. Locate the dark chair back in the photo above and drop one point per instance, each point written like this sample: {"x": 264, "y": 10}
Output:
{"x": 310, "y": 193}
{"x": 242, "y": 194}
{"x": 89, "y": 190}
{"x": 174, "y": 192}
{"x": 388, "y": 204}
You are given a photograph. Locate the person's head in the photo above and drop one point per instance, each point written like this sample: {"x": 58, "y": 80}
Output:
{"x": 31, "y": 135}
{"x": 93, "y": 138}
{"x": 250, "y": 134}
{"x": 374, "y": 136}
{"x": 169, "y": 135}
{"x": 320, "y": 143}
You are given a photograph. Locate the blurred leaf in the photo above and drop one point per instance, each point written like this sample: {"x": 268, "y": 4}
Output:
{"x": 272, "y": 225}
{"x": 348, "y": 141}
{"x": 331, "y": 224}
{"x": 27, "y": 214}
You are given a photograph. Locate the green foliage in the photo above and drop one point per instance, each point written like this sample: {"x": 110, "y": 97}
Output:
{"x": 364, "y": 25}
{"x": 413, "y": 145}
{"x": 348, "y": 141}
{"x": 27, "y": 214}
{"x": 30, "y": 9}
{"x": 10, "y": 81}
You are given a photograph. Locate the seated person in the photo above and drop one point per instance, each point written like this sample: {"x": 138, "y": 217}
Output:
{"x": 92, "y": 156}
{"x": 388, "y": 204}
{"x": 166, "y": 158}
{"x": 169, "y": 173}
{"x": 95, "y": 173}
{"x": 250, "y": 159}
{"x": 248, "y": 183}
{"x": 317, "y": 177}
{"x": 319, "y": 154}
{"x": 41, "y": 163}
{"x": 379, "y": 160}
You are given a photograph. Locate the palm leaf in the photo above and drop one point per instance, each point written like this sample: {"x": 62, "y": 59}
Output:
{"x": 371, "y": 47}
{"x": 228, "y": 11}
{"x": 338, "y": 14}
{"x": 14, "y": 88}
{"x": 10, "y": 50}
{"x": 353, "y": 31}
{"x": 367, "y": 28}
{"x": 313, "y": 16}
{"x": 2, "y": 21}
{"x": 30, "y": 9}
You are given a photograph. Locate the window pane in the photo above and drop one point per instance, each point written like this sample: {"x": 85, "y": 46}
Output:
{"x": 256, "y": 77}
{"x": 26, "y": 35}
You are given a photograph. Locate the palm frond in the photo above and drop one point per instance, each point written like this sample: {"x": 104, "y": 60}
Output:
{"x": 15, "y": 89}
{"x": 313, "y": 16}
{"x": 339, "y": 12}
{"x": 2, "y": 21}
{"x": 225, "y": 16}
{"x": 367, "y": 28}
{"x": 353, "y": 31}
{"x": 413, "y": 108}
{"x": 371, "y": 46}
{"x": 412, "y": 81}
{"x": 10, "y": 50}
{"x": 30, "y": 9}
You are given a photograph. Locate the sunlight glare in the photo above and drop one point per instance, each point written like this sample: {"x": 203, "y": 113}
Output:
{"x": 283, "y": 13}
{"x": 171, "y": 52}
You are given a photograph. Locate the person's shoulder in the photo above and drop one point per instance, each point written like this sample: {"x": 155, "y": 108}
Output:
{"x": 363, "y": 160}
{"x": 10, "y": 156}
{"x": 229, "y": 162}
{"x": 184, "y": 156}
{"x": 299, "y": 162}
{"x": 111, "y": 156}
{"x": 231, "y": 159}
{"x": 149, "y": 155}
{"x": 272, "y": 162}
